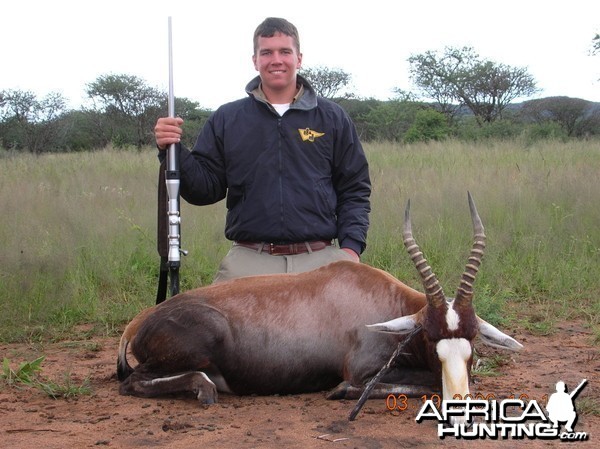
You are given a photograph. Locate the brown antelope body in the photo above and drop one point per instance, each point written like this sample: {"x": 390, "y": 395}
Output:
{"x": 293, "y": 333}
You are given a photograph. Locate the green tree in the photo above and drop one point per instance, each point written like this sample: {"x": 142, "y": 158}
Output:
{"x": 327, "y": 82}
{"x": 358, "y": 110}
{"x": 596, "y": 45}
{"x": 428, "y": 125}
{"x": 193, "y": 115}
{"x": 433, "y": 72}
{"x": 27, "y": 122}
{"x": 82, "y": 130}
{"x": 17, "y": 105}
{"x": 568, "y": 112}
{"x": 391, "y": 119}
{"x": 130, "y": 105}
{"x": 462, "y": 77}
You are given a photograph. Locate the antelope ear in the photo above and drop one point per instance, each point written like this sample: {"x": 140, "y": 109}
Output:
{"x": 402, "y": 325}
{"x": 491, "y": 336}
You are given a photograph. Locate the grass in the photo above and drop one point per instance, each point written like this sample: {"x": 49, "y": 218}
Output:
{"x": 538, "y": 207}
{"x": 79, "y": 244}
{"x": 588, "y": 406}
{"x": 29, "y": 374}
{"x": 489, "y": 366}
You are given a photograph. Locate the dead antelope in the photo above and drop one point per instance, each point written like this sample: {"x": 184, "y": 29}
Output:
{"x": 308, "y": 332}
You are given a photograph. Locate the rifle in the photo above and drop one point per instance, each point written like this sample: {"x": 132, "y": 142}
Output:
{"x": 169, "y": 237}
{"x": 576, "y": 391}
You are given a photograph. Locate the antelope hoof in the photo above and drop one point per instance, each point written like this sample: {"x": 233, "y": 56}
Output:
{"x": 339, "y": 392}
{"x": 205, "y": 389}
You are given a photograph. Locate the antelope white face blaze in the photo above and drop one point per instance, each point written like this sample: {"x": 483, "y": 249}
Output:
{"x": 452, "y": 318}
{"x": 454, "y": 354}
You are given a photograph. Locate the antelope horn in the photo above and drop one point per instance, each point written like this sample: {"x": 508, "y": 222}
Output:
{"x": 433, "y": 289}
{"x": 464, "y": 293}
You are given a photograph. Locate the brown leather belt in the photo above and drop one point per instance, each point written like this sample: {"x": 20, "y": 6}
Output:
{"x": 286, "y": 249}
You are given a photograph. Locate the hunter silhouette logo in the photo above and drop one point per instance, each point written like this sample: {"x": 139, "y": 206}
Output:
{"x": 510, "y": 418}
{"x": 309, "y": 134}
{"x": 561, "y": 406}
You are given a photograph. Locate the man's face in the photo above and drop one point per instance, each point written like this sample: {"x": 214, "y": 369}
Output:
{"x": 277, "y": 61}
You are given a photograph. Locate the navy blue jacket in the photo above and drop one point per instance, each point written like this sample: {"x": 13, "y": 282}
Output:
{"x": 298, "y": 177}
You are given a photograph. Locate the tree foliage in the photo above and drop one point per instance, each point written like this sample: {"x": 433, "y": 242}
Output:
{"x": 428, "y": 125}
{"x": 127, "y": 99}
{"x": 358, "y": 110}
{"x": 326, "y": 82}
{"x": 390, "y": 120}
{"x": 123, "y": 112}
{"x": 569, "y": 113}
{"x": 29, "y": 122}
{"x": 123, "y": 109}
{"x": 25, "y": 107}
{"x": 433, "y": 73}
{"x": 596, "y": 45}
{"x": 460, "y": 77}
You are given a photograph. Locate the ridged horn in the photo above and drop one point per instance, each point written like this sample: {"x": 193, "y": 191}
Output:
{"x": 433, "y": 289}
{"x": 464, "y": 293}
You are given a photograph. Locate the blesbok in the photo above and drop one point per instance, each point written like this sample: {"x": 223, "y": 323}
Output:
{"x": 294, "y": 333}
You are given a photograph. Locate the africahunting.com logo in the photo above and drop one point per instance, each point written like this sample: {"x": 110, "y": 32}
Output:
{"x": 507, "y": 419}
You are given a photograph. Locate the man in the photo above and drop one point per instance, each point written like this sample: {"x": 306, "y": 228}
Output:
{"x": 291, "y": 165}
{"x": 560, "y": 407}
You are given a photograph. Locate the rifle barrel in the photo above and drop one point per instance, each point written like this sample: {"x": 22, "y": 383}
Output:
{"x": 579, "y": 387}
{"x": 173, "y": 164}
{"x": 171, "y": 92}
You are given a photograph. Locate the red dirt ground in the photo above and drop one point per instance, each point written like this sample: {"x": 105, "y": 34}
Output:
{"x": 30, "y": 419}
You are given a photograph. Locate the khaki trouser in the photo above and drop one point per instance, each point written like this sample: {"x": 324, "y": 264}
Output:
{"x": 241, "y": 261}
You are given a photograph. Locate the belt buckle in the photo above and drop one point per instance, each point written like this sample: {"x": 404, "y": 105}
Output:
{"x": 287, "y": 249}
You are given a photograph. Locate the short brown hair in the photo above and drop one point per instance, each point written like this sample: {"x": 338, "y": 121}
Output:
{"x": 272, "y": 25}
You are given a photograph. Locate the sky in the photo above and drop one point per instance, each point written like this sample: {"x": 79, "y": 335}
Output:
{"x": 61, "y": 45}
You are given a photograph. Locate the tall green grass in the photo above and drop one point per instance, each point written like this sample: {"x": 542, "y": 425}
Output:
{"x": 78, "y": 231}
{"x": 78, "y": 241}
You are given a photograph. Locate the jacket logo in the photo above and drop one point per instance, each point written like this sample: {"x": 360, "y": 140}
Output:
{"x": 309, "y": 134}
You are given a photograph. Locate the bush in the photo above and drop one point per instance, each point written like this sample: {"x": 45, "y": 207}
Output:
{"x": 503, "y": 129}
{"x": 390, "y": 120}
{"x": 543, "y": 131}
{"x": 428, "y": 125}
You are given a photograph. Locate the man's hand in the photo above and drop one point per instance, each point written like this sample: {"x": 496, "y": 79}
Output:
{"x": 167, "y": 131}
{"x": 355, "y": 256}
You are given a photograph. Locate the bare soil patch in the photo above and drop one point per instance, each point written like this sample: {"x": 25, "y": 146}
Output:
{"x": 30, "y": 419}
